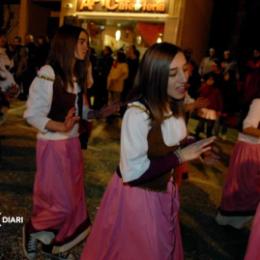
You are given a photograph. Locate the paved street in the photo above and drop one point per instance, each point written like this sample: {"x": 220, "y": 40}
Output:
{"x": 202, "y": 238}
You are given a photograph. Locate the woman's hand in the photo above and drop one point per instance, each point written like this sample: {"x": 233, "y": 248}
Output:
{"x": 66, "y": 126}
{"x": 213, "y": 156}
{"x": 194, "y": 150}
{"x": 70, "y": 120}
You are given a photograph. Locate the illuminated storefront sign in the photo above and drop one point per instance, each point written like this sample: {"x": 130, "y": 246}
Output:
{"x": 148, "y": 6}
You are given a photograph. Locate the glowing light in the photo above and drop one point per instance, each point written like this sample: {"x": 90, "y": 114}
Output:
{"x": 159, "y": 38}
{"x": 118, "y": 35}
{"x": 138, "y": 39}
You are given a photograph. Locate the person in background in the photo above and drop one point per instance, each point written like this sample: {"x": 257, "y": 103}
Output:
{"x": 116, "y": 77}
{"x": 59, "y": 217}
{"x": 209, "y": 114}
{"x": 132, "y": 60}
{"x": 228, "y": 64}
{"x": 208, "y": 62}
{"x": 8, "y": 91}
{"x": 138, "y": 216}
{"x": 104, "y": 65}
{"x": 115, "y": 81}
{"x": 20, "y": 57}
{"x": 194, "y": 80}
{"x": 4, "y": 58}
{"x": 43, "y": 47}
{"x": 94, "y": 72}
{"x": 31, "y": 66}
{"x": 241, "y": 192}
{"x": 251, "y": 82}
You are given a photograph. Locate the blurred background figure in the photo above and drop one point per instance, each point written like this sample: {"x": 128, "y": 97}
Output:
{"x": 4, "y": 58}
{"x": 209, "y": 115}
{"x": 104, "y": 65}
{"x": 19, "y": 54}
{"x": 194, "y": 78}
{"x": 228, "y": 63}
{"x": 31, "y": 68}
{"x": 251, "y": 80}
{"x": 241, "y": 192}
{"x": 42, "y": 51}
{"x": 208, "y": 62}
{"x": 116, "y": 79}
{"x": 132, "y": 60}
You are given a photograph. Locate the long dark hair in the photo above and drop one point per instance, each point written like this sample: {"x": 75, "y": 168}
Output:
{"x": 62, "y": 58}
{"x": 151, "y": 82}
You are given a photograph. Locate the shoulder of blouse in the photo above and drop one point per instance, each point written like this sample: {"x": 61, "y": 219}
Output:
{"x": 47, "y": 73}
{"x": 138, "y": 106}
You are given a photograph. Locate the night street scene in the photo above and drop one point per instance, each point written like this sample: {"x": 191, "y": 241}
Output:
{"x": 129, "y": 130}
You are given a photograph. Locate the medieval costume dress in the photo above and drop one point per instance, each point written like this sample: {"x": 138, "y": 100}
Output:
{"x": 138, "y": 216}
{"x": 59, "y": 197}
{"x": 241, "y": 193}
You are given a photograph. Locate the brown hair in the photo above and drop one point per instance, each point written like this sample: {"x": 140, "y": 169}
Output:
{"x": 151, "y": 82}
{"x": 62, "y": 58}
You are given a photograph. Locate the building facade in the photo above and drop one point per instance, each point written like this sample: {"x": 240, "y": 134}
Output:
{"x": 119, "y": 23}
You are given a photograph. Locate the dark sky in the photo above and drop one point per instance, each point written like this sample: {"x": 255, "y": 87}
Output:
{"x": 235, "y": 24}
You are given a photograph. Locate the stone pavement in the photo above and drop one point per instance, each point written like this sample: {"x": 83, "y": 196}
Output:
{"x": 202, "y": 238}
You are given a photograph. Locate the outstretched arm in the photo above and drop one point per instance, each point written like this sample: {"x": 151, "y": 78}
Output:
{"x": 164, "y": 164}
{"x": 104, "y": 111}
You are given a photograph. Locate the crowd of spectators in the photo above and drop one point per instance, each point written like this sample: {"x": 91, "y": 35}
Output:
{"x": 228, "y": 82}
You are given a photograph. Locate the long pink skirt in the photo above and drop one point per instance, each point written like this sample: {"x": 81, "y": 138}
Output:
{"x": 135, "y": 224}
{"x": 253, "y": 252}
{"x": 241, "y": 192}
{"x": 59, "y": 196}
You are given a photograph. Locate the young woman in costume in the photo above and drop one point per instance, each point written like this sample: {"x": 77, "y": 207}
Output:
{"x": 59, "y": 217}
{"x": 138, "y": 215}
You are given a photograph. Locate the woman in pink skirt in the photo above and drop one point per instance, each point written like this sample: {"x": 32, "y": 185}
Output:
{"x": 241, "y": 193}
{"x": 59, "y": 217}
{"x": 138, "y": 215}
